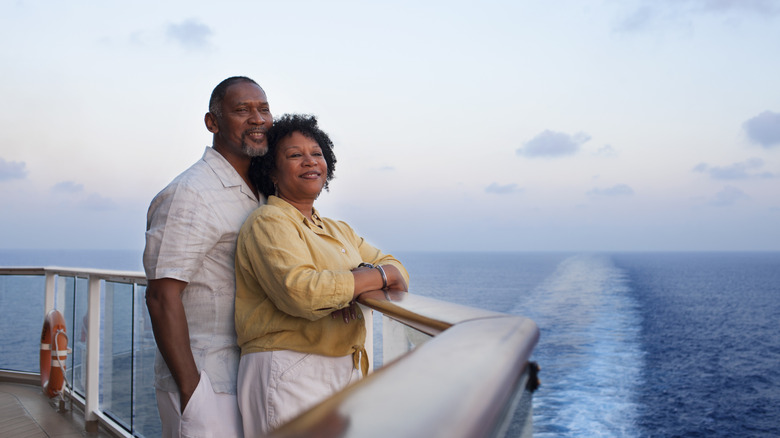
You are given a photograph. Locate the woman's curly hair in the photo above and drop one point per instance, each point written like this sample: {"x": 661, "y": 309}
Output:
{"x": 262, "y": 168}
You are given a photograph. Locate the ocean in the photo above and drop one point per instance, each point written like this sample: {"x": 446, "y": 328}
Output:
{"x": 632, "y": 344}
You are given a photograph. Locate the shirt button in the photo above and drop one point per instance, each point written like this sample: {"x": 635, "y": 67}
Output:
{"x": 343, "y": 251}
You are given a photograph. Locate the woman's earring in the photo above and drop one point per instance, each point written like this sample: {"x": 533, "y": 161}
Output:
{"x": 276, "y": 190}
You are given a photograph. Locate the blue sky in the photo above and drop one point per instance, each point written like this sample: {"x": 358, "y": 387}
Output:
{"x": 524, "y": 125}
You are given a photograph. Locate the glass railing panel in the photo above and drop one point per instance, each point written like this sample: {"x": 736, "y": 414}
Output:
{"x": 76, "y": 318}
{"x": 116, "y": 377}
{"x": 21, "y": 296}
{"x": 398, "y": 339}
{"x": 64, "y": 301}
{"x": 519, "y": 419}
{"x": 146, "y": 420}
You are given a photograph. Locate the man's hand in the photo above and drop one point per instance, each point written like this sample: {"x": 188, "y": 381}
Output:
{"x": 169, "y": 324}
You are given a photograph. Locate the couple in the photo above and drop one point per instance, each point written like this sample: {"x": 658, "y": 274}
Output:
{"x": 291, "y": 295}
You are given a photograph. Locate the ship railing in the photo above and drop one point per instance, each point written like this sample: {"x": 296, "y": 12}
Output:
{"x": 446, "y": 369}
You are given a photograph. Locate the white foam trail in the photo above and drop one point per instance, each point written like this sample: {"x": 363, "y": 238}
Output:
{"x": 589, "y": 350}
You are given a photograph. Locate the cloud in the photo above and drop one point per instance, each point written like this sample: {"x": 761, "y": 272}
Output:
{"x": 764, "y": 129}
{"x": 70, "y": 193}
{"x": 617, "y": 190}
{"x": 638, "y": 20}
{"x": 759, "y": 7}
{"x": 741, "y": 170}
{"x": 502, "y": 190}
{"x": 67, "y": 187}
{"x": 658, "y": 13}
{"x": 191, "y": 34}
{"x": 728, "y": 196}
{"x": 606, "y": 151}
{"x": 12, "y": 170}
{"x": 553, "y": 144}
{"x": 97, "y": 202}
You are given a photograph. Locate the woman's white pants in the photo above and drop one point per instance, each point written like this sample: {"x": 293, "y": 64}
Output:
{"x": 276, "y": 386}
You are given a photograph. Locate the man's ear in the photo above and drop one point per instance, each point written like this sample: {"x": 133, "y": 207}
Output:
{"x": 211, "y": 123}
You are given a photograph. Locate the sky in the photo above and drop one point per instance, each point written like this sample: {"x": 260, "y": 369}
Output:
{"x": 574, "y": 125}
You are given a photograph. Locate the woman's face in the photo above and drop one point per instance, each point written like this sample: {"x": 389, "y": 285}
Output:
{"x": 301, "y": 170}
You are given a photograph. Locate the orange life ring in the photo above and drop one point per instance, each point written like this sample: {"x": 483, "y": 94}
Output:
{"x": 54, "y": 353}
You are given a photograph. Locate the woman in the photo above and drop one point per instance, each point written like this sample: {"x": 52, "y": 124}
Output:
{"x": 295, "y": 271}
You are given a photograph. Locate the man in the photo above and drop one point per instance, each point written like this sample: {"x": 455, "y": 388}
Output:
{"x": 191, "y": 232}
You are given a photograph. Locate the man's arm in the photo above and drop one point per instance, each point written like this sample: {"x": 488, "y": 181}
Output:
{"x": 169, "y": 323}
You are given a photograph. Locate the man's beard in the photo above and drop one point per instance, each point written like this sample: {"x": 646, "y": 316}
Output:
{"x": 253, "y": 151}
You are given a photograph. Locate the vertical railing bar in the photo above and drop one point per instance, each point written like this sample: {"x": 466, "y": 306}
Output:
{"x": 76, "y": 277}
{"x": 132, "y": 360}
{"x": 72, "y": 339}
{"x": 92, "y": 390}
{"x": 107, "y": 345}
{"x": 48, "y": 301}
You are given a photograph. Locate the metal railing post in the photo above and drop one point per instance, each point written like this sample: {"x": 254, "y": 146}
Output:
{"x": 92, "y": 398}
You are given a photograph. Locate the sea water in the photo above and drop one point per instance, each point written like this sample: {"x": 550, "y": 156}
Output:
{"x": 632, "y": 345}
{"x": 710, "y": 337}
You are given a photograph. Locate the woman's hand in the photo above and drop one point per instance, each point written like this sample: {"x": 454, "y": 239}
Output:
{"x": 350, "y": 313}
{"x": 369, "y": 278}
{"x": 395, "y": 281}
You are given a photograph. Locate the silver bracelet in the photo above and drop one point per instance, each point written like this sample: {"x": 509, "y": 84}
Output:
{"x": 384, "y": 276}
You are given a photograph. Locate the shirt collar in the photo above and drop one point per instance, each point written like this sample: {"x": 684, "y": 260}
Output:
{"x": 293, "y": 212}
{"x": 226, "y": 173}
